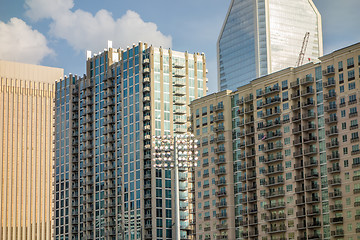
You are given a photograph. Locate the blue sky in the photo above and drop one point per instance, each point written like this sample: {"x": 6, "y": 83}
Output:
{"x": 58, "y": 32}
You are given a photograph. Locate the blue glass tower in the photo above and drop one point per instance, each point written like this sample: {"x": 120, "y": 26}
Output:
{"x": 105, "y": 120}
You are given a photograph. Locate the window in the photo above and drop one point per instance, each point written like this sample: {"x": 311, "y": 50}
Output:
{"x": 204, "y": 111}
{"x": 341, "y": 78}
{"x": 286, "y": 129}
{"x": 288, "y": 164}
{"x": 350, "y": 63}
{"x": 287, "y": 141}
{"x": 342, "y": 89}
{"x": 353, "y": 110}
{"x": 288, "y": 176}
{"x": 344, "y": 137}
{"x": 343, "y": 113}
{"x": 285, "y": 96}
{"x": 340, "y": 65}
{"x": 286, "y": 118}
{"x": 343, "y": 125}
{"x": 345, "y": 150}
{"x": 352, "y": 86}
{"x": 289, "y": 188}
{"x": 284, "y": 84}
{"x": 346, "y": 163}
{"x": 285, "y": 106}
{"x": 287, "y": 152}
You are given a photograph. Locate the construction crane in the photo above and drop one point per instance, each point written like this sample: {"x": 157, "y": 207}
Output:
{"x": 303, "y": 49}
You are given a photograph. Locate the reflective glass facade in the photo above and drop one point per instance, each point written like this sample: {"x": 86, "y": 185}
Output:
{"x": 261, "y": 37}
{"x": 126, "y": 97}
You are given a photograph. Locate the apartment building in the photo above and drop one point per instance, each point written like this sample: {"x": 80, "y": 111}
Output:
{"x": 294, "y": 150}
{"x": 105, "y": 121}
{"x": 26, "y": 150}
{"x": 214, "y": 183}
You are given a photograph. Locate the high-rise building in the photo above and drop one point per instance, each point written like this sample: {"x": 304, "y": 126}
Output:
{"x": 105, "y": 184}
{"x": 262, "y": 37}
{"x": 26, "y": 150}
{"x": 293, "y": 150}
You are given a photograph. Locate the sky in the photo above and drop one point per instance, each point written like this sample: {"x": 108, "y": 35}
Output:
{"x": 57, "y": 33}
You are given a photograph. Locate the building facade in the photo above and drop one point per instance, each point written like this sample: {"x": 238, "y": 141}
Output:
{"x": 294, "y": 151}
{"x": 262, "y": 37}
{"x": 104, "y": 127}
{"x": 26, "y": 149}
{"x": 214, "y": 183}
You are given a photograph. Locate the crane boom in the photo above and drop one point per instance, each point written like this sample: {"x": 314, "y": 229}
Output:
{"x": 303, "y": 50}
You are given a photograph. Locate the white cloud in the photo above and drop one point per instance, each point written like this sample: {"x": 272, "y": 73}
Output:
{"x": 85, "y": 31}
{"x": 21, "y": 43}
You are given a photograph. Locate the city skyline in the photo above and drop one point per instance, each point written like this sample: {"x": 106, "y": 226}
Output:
{"x": 198, "y": 31}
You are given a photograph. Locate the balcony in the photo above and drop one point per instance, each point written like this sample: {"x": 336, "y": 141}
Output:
{"x": 271, "y": 90}
{"x": 330, "y": 108}
{"x": 314, "y": 224}
{"x": 274, "y": 159}
{"x": 218, "y": 108}
{"x": 272, "y": 218}
{"x": 332, "y": 132}
{"x": 334, "y": 182}
{"x": 221, "y": 171}
{"x": 272, "y": 136}
{"x": 275, "y": 194}
{"x": 336, "y": 220}
{"x": 313, "y": 187}
{"x": 271, "y": 102}
{"x": 306, "y": 80}
{"x": 273, "y": 171}
{"x": 219, "y": 118}
{"x": 309, "y": 127}
{"x": 222, "y": 227}
{"x": 271, "y": 114}
{"x": 270, "y": 125}
{"x": 274, "y": 148}
{"x": 310, "y": 151}
{"x": 336, "y": 207}
{"x": 308, "y": 104}
{"x": 274, "y": 183}
{"x": 311, "y": 175}
{"x": 313, "y": 199}
{"x": 219, "y": 150}
{"x": 220, "y": 161}
{"x": 274, "y": 206}
{"x": 336, "y": 194}
{"x": 337, "y": 233}
{"x": 328, "y": 71}
{"x": 220, "y": 193}
{"x": 334, "y": 169}
{"x": 307, "y": 92}
{"x": 221, "y": 215}
{"x": 219, "y": 129}
{"x": 329, "y": 83}
{"x": 273, "y": 229}
{"x": 313, "y": 212}
{"x": 331, "y": 120}
{"x": 329, "y": 96}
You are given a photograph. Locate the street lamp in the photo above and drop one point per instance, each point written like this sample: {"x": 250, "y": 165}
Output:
{"x": 174, "y": 152}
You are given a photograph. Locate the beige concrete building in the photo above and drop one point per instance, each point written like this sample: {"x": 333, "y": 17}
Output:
{"x": 26, "y": 150}
{"x": 214, "y": 183}
{"x": 295, "y": 153}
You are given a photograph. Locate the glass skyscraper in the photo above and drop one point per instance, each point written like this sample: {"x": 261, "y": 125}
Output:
{"x": 105, "y": 185}
{"x": 260, "y": 37}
